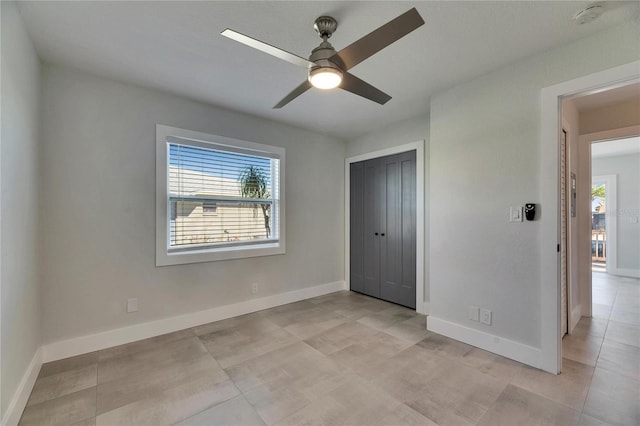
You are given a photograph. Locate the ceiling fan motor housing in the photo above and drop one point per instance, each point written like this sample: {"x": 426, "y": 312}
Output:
{"x": 324, "y": 62}
{"x": 323, "y": 57}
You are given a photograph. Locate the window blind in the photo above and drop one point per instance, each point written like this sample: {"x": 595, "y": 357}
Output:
{"x": 220, "y": 196}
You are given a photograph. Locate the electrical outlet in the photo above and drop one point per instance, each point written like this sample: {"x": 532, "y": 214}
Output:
{"x": 485, "y": 316}
{"x": 254, "y": 288}
{"x": 132, "y": 305}
{"x": 474, "y": 313}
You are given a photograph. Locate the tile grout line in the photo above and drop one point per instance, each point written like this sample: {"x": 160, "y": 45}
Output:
{"x": 192, "y": 329}
{"x": 604, "y": 335}
{"x": 235, "y": 385}
{"x": 600, "y": 351}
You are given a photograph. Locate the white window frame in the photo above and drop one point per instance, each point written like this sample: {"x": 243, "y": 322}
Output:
{"x": 165, "y": 256}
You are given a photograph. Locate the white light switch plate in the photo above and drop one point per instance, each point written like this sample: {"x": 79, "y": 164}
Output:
{"x": 515, "y": 214}
{"x": 132, "y": 305}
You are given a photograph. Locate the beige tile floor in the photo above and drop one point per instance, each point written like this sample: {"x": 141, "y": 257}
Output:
{"x": 347, "y": 359}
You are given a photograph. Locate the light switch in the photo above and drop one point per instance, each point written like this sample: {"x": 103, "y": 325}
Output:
{"x": 515, "y": 214}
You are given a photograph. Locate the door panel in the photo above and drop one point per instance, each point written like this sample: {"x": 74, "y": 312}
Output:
{"x": 371, "y": 222}
{"x": 356, "y": 197}
{"x": 407, "y": 289}
{"x": 390, "y": 220}
{"x": 398, "y": 276}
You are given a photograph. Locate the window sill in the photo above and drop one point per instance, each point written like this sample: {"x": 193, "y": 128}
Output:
{"x": 217, "y": 254}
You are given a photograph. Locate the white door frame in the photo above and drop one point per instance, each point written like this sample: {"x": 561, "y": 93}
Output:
{"x": 549, "y": 238}
{"x": 421, "y": 305}
{"x": 565, "y": 242}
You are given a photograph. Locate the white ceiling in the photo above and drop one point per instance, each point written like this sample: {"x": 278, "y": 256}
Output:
{"x": 176, "y": 47}
{"x": 616, "y": 147}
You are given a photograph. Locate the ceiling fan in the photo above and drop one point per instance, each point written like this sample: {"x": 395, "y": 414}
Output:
{"x": 327, "y": 68}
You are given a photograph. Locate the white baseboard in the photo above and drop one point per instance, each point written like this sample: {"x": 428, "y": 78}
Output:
{"x": 21, "y": 395}
{"x": 93, "y": 342}
{"x": 508, "y": 348}
{"x": 631, "y": 273}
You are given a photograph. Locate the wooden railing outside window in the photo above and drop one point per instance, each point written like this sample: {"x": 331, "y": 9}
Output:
{"x": 598, "y": 245}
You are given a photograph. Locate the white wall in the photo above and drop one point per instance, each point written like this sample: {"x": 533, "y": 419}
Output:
{"x": 20, "y": 310}
{"x": 98, "y": 208}
{"x": 627, "y": 170}
{"x": 484, "y": 157}
{"x": 400, "y": 133}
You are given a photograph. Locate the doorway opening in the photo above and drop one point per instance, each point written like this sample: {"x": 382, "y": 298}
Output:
{"x": 603, "y": 159}
{"x": 552, "y": 112}
{"x": 615, "y": 170}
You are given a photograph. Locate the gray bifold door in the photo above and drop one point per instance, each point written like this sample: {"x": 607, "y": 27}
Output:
{"x": 383, "y": 228}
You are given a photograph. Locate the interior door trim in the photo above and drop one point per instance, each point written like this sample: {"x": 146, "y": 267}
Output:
{"x": 422, "y": 307}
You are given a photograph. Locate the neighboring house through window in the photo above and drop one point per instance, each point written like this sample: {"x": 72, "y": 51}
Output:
{"x": 209, "y": 208}
{"x": 217, "y": 198}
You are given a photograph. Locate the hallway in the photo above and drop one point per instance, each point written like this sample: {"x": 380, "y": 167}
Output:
{"x": 610, "y": 342}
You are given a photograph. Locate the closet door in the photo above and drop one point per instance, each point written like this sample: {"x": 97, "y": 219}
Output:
{"x": 356, "y": 222}
{"x": 398, "y": 224}
{"x": 383, "y": 227}
{"x": 371, "y": 228}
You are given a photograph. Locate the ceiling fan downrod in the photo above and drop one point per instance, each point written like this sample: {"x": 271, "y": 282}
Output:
{"x": 325, "y": 26}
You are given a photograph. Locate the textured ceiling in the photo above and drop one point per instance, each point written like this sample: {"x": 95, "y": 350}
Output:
{"x": 177, "y": 47}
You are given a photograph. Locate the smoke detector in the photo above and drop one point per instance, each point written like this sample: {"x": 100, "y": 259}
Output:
{"x": 588, "y": 14}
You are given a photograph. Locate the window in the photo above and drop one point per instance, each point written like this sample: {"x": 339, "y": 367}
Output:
{"x": 209, "y": 208}
{"x": 217, "y": 198}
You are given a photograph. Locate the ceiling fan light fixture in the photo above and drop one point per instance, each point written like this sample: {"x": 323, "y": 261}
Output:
{"x": 325, "y": 78}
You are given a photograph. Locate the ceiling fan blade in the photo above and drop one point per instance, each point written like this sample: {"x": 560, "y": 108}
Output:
{"x": 380, "y": 38}
{"x": 294, "y": 94}
{"x": 353, "y": 84}
{"x": 267, "y": 48}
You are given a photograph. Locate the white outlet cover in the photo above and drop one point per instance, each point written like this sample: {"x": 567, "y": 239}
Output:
{"x": 474, "y": 313}
{"x": 132, "y": 305}
{"x": 485, "y": 316}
